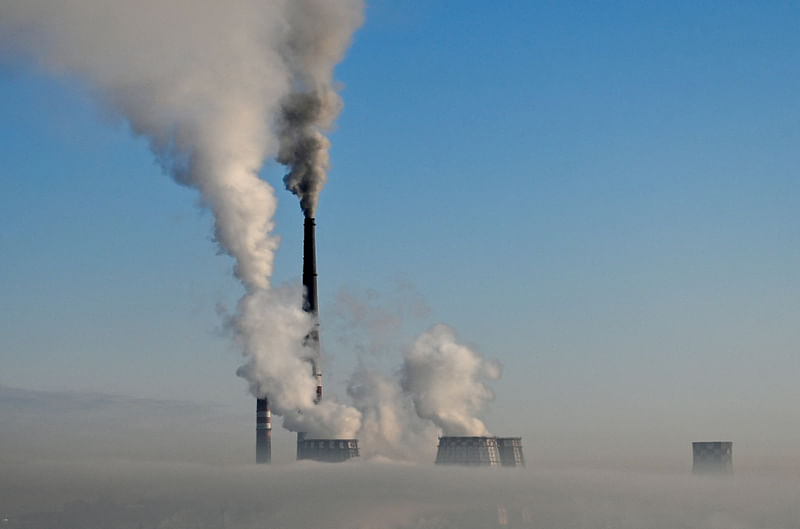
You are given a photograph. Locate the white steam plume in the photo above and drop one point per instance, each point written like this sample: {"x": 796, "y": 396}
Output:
{"x": 389, "y": 424}
{"x": 445, "y": 380}
{"x": 199, "y": 80}
{"x": 204, "y": 81}
{"x": 272, "y": 325}
{"x": 439, "y": 388}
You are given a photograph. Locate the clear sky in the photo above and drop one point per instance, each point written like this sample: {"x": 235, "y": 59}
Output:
{"x": 602, "y": 196}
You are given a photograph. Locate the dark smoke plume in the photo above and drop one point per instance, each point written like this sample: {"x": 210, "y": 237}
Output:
{"x": 303, "y": 147}
{"x": 321, "y": 32}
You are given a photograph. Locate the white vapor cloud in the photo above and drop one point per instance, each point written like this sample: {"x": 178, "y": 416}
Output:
{"x": 206, "y": 83}
{"x": 217, "y": 88}
{"x": 446, "y": 381}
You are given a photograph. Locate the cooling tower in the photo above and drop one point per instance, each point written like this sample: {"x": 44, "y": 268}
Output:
{"x": 712, "y": 457}
{"x": 470, "y": 451}
{"x": 327, "y": 450}
{"x": 263, "y": 431}
{"x": 510, "y": 449}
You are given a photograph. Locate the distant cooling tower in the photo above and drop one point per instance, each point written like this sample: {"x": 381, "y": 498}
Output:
{"x": 470, "y": 451}
{"x": 712, "y": 457}
{"x": 327, "y": 450}
{"x": 510, "y": 449}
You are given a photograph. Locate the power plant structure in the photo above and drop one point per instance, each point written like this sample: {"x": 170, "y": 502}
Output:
{"x": 510, "y": 449}
{"x": 468, "y": 450}
{"x": 712, "y": 457}
{"x": 480, "y": 451}
{"x": 311, "y": 301}
{"x": 328, "y": 450}
{"x": 263, "y": 431}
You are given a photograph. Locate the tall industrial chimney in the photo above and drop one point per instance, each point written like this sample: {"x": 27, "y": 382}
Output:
{"x": 311, "y": 302}
{"x": 329, "y": 450}
{"x": 311, "y": 305}
{"x": 263, "y": 431}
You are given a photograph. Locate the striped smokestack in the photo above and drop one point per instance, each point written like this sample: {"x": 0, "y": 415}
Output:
{"x": 263, "y": 431}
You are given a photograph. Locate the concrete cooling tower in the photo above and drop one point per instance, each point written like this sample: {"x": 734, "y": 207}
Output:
{"x": 510, "y": 449}
{"x": 470, "y": 451}
{"x": 712, "y": 457}
{"x": 480, "y": 451}
{"x": 326, "y": 450}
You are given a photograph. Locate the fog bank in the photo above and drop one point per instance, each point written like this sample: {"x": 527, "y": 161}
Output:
{"x": 383, "y": 495}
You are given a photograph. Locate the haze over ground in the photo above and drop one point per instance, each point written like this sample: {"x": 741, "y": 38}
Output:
{"x": 93, "y": 460}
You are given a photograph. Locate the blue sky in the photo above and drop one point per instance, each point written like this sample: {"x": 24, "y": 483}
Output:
{"x": 603, "y": 196}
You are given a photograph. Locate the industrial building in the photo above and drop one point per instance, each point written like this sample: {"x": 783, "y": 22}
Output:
{"x": 480, "y": 451}
{"x": 331, "y": 450}
{"x": 470, "y": 451}
{"x": 712, "y": 457}
{"x": 510, "y": 449}
{"x": 326, "y": 450}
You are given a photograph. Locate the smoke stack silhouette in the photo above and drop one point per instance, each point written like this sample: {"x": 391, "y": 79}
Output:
{"x": 311, "y": 305}
{"x": 310, "y": 301}
{"x": 263, "y": 431}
